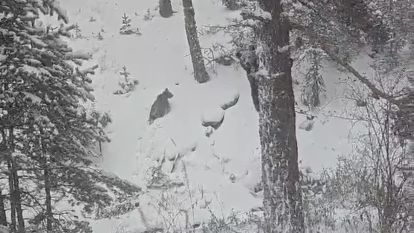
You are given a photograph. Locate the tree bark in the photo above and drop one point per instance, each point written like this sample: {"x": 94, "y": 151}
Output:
{"x": 282, "y": 202}
{"x": 166, "y": 8}
{"x": 46, "y": 179}
{"x": 48, "y": 201}
{"x": 409, "y": 136}
{"x": 15, "y": 195}
{"x": 6, "y": 154}
{"x": 13, "y": 222}
{"x": 3, "y": 217}
{"x": 15, "y": 198}
{"x": 200, "y": 73}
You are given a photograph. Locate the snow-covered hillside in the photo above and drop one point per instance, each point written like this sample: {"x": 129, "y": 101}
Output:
{"x": 209, "y": 174}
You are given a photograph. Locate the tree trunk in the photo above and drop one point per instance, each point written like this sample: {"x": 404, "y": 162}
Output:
{"x": 407, "y": 119}
{"x": 282, "y": 202}
{"x": 13, "y": 222}
{"x": 3, "y": 217}
{"x": 15, "y": 195}
{"x": 7, "y": 157}
{"x": 10, "y": 173}
{"x": 48, "y": 201}
{"x": 166, "y": 8}
{"x": 200, "y": 73}
{"x": 15, "y": 198}
{"x": 409, "y": 138}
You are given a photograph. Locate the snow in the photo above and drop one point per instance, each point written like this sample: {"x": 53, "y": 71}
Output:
{"x": 55, "y": 5}
{"x": 79, "y": 55}
{"x": 220, "y": 170}
{"x": 283, "y": 49}
{"x": 212, "y": 116}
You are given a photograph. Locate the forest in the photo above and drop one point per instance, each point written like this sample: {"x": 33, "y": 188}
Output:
{"x": 206, "y": 116}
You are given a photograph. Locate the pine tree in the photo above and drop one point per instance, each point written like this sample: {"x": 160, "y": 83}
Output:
{"x": 127, "y": 84}
{"x": 314, "y": 85}
{"x": 77, "y": 32}
{"x": 148, "y": 16}
{"x": 126, "y": 27}
{"x": 47, "y": 134}
{"x": 99, "y": 36}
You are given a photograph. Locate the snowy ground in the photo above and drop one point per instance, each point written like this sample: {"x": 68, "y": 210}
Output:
{"x": 220, "y": 171}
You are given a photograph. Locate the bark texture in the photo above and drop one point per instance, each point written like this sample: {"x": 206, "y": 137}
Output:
{"x": 3, "y": 217}
{"x": 13, "y": 222}
{"x": 407, "y": 110}
{"x": 282, "y": 203}
{"x": 16, "y": 211}
{"x": 200, "y": 73}
{"x": 18, "y": 199}
{"x": 48, "y": 201}
{"x": 15, "y": 197}
{"x": 166, "y": 8}
{"x": 407, "y": 118}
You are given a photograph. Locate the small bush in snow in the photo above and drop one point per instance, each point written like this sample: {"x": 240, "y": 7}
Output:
{"x": 77, "y": 33}
{"x": 99, "y": 36}
{"x": 127, "y": 84}
{"x": 126, "y": 28}
{"x": 235, "y": 222}
{"x": 148, "y": 16}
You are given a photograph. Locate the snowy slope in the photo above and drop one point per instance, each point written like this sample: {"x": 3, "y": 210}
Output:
{"x": 218, "y": 172}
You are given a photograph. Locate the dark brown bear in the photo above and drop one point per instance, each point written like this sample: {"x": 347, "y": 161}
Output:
{"x": 161, "y": 106}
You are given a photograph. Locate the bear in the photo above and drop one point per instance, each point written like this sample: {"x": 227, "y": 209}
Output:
{"x": 161, "y": 106}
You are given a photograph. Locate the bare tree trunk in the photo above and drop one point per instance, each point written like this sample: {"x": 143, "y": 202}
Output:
{"x": 8, "y": 154}
{"x": 46, "y": 180}
{"x": 282, "y": 202}
{"x": 166, "y": 8}
{"x": 15, "y": 198}
{"x": 3, "y": 217}
{"x": 15, "y": 195}
{"x": 13, "y": 223}
{"x": 200, "y": 73}
{"x": 48, "y": 201}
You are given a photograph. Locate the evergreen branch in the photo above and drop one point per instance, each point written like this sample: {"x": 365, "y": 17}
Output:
{"x": 376, "y": 92}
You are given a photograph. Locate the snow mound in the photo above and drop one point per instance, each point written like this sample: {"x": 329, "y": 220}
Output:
{"x": 229, "y": 102}
{"x": 213, "y": 117}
